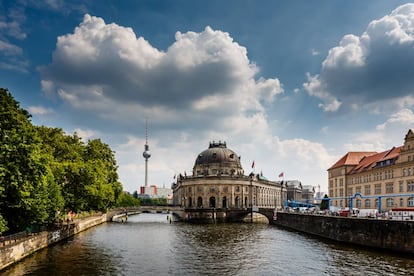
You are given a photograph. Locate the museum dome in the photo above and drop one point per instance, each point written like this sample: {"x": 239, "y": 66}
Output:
{"x": 217, "y": 159}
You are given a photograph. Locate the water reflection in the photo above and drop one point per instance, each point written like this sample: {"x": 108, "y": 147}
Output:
{"x": 149, "y": 245}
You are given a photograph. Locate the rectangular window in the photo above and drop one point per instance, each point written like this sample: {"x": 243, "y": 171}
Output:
{"x": 401, "y": 184}
{"x": 377, "y": 188}
{"x": 199, "y": 189}
{"x": 367, "y": 189}
{"x": 350, "y": 191}
{"x": 410, "y": 186}
{"x": 367, "y": 203}
{"x": 358, "y": 189}
{"x": 389, "y": 188}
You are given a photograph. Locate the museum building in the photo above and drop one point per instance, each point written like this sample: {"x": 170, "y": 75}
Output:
{"x": 374, "y": 179}
{"x": 218, "y": 183}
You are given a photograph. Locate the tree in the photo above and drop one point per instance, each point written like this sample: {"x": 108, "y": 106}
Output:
{"x": 24, "y": 177}
{"x": 325, "y": 203}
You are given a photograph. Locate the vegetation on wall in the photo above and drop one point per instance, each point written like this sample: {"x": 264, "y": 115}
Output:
{"x": 44, "y": 172}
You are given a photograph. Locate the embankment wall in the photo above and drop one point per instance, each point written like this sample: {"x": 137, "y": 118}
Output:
{"x": 13, "y": 253}
{"x": 385, "y": 234}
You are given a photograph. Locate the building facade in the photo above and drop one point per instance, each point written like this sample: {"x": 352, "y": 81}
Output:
{"x": 218, "y": 182}
{"x": 372, "y": 180}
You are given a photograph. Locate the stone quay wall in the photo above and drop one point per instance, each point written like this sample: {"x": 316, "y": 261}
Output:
{"x": 385, "y": 234}
{"x": 10, "y": 254}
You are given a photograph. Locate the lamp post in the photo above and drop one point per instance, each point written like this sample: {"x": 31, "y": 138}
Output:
{"x": 251, "y": 197}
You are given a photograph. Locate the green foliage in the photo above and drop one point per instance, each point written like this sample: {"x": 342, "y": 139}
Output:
{"x": 325, "y": 203}
{"x": 3, "y": 225}
{"x": 127, "y": 200}
{"x": 44, "y": 172}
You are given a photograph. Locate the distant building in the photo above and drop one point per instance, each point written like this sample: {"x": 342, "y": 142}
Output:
{"x": 155, "y": 192}
{"x": 383, "y": 180}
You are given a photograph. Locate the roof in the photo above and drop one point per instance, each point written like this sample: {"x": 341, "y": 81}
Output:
{"x": 378, "y": 159}
{"x": 352, "y": 158}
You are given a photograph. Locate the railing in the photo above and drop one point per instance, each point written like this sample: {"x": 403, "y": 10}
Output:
{"x": 17, "y": 237}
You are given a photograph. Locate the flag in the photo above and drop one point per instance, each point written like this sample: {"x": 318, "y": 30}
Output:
{"x": 281, "y": 174}
{"x": 253, "y": 164}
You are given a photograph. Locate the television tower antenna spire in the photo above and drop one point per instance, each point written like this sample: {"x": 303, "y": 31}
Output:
{"x": 146, "y": 154}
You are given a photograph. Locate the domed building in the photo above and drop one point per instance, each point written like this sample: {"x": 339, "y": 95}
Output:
{"x": 219, "y": 190}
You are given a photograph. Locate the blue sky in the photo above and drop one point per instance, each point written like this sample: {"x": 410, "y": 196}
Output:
{"x": 292, "y": 85}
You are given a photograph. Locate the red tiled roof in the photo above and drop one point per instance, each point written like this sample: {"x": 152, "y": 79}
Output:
{"x": 370, "y": 162}
{"x": 352, "y": 158}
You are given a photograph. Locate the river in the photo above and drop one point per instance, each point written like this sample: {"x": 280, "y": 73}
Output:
{"x": 149, "y": 245}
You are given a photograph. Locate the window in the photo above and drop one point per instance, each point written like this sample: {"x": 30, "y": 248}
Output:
{"x": 358, "y": 189}
{"x": 410, "y": 186}
{"x": 389, "y": 188}
{"x": 403, "y": 172}
{"x": 376, "y": 203}
{"x": 199, "y": 189}
{"x": 377, "y": 189}
{"x": 401, "y": 184}
{"x": 350, "y": 191}
{"x": 341, "y": 192}
{"x": 212, "y": 189}
{"x": 237, "y": 188}
{"x": 226, "y": 189}
{"x": 390, "y": 202}
{"x": 358, "y": 203}
{"x": 411, "y": 202}
{"x": 367, "y": 203}
{"x": 367, "y": 189}
{"x": 189, "y": 189}
{"x": 401, "y": 202}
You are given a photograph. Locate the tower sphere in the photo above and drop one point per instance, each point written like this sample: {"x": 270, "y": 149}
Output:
{"x": 146, "y": 154}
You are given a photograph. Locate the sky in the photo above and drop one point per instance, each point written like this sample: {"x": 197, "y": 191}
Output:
{"x": 290, "y": 85}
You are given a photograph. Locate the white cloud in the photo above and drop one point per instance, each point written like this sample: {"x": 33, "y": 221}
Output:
{"x": 85, "y": 134}
{"x": 368, "y": 70}
{"x": 202, "y": 88}
{"x": 404, "y": 117}
{"x": 40, "y": 110}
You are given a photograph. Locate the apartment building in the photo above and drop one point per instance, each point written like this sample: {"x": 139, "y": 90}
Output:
{"x": 381, "y": 180}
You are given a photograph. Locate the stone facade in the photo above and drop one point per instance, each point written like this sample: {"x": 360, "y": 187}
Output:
{"x": 382, "y": 180}
{"x": 10, "y": 254}
{"x": 385, "y": 234}
{"x": 218, "y": 182}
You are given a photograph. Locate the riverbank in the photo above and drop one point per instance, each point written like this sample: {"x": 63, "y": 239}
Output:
{"x": 10, "y": 254}
{"x": 397, "y": 236}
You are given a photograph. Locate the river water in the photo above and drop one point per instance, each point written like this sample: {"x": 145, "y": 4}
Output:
{"x": 149, "y": 245}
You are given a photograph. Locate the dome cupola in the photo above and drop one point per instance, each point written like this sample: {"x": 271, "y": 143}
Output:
{"x": 217, "y": 160}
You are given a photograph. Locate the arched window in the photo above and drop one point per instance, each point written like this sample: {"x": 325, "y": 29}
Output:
{"x": 199, "y": 202}
{"x": 212, "y": 202}
{"x": 224, "y": 202}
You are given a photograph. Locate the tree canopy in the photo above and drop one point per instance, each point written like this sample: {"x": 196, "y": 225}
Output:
{"x": 45, "y": 172}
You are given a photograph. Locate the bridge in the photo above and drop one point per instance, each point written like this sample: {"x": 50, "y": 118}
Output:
{"x": 195, "y": 214}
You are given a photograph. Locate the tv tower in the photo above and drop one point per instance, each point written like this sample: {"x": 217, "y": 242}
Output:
{"x": 146, "y": 153}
